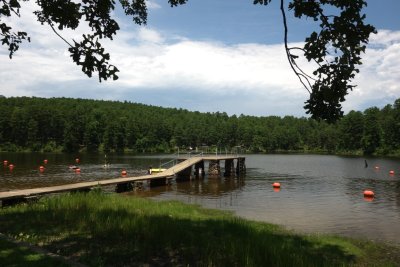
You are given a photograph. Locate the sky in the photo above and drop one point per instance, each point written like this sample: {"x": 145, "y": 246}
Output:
{"x": 207, "y": 56}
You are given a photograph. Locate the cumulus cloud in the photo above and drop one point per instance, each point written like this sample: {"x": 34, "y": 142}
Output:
{"x": 157, "y": 68}
{"x": 378, "y": 82}
{"x": 149, "y": 36}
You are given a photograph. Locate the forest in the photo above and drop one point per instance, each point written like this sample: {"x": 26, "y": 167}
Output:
{"x": 71, "y": 125}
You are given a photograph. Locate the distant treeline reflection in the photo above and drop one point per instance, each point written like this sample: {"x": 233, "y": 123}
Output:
{"x": 70, "y": 125}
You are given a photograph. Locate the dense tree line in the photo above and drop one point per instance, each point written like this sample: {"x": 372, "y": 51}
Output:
{"x": 62, "y": 124}
{"x": 336, "y": 46}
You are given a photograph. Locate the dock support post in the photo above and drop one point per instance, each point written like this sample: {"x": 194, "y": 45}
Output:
{"x": 241, "y": 166}
{"x": 19, "y": 200}
{"x": 158, "y": 182}
{"x": 214, "y": 168}
{"x": 184, "y": 175}
{"x": 229, "y": 168}
{"x": 123, "y": 187}
{"x": 199, "y": 169}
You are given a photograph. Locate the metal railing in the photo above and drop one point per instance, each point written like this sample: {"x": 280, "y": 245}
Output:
{"x": 199, "y": 154}
{"x": 191, "y": 154}
{"x": 165, "y": 164}
{"x": 174, "y": 161}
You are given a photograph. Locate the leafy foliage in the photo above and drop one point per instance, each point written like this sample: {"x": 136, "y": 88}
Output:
{"x": 336, "y": 48}
{"x": 39, "y": 124}
{"x": 86, "y": 54}
{"x": 9, "y": 38}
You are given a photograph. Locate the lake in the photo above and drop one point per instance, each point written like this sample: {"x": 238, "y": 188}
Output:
{"x": 318, "y": 194}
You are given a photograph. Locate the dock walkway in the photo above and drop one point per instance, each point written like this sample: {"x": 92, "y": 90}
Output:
{"x": 168, "y": 173}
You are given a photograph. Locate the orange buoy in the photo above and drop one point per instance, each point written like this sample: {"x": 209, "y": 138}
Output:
{"x": 124, "y": 173}
{"x": 369, "y": 193}
{"x": 368, "y": 199}
{"x": 5, "y": 162}
{"x": 77, "y": 170}
{"x": 41, "y": 168}
{"x": 276, "y": 185}
{"x": 277, "y": 189}
{"x": 391, "y": 172}
{"x": 77, "y": 160}
{"x": 45, "y": 161}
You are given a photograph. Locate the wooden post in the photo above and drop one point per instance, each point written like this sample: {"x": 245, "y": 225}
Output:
{"x": 138, "y": 185}
{"x": 214, "y": 168}
{"x": 123, "y": 187}
{"x": 184, "y": 175}
{"x": 18, "y": 200}
{"x": 229, "y": 168}
{"x": 158, "y": 182}
{"x": 241, "y": 166}
{"x": 199, "y": 169}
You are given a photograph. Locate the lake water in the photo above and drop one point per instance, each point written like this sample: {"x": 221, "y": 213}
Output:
{"x": 319, "y": 193}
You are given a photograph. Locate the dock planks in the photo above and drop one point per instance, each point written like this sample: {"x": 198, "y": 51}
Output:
{"x": 24, "y": 193}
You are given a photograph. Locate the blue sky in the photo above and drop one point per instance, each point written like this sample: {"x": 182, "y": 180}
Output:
{"x": 208, "y": 55}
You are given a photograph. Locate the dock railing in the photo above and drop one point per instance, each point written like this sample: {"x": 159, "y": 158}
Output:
{"x": 218, "y": 151}
{"x": 176, "y": 156}
{"x": 171, "y": 162}
{"x": 193, "y": 155}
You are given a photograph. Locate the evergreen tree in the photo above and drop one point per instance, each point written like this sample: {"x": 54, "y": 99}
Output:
{"x": 351, "y": 129}
{"x": 372, "y": 131}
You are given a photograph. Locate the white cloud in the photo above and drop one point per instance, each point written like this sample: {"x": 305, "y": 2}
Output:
{"x": 152, "y": 5}
{"x": 378, "y": 82}
{"x": 257, "y": 75}
{"x": 149, "y": 36}
{"x": 207, "y": 66}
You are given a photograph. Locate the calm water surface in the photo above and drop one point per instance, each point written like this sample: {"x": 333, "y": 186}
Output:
{"x": 319, "y": 194}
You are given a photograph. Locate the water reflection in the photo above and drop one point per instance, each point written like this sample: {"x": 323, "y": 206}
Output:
{"x": 210, "y": 188}
{"x": 317, "y": 193}
{"x": 26, "y": 173}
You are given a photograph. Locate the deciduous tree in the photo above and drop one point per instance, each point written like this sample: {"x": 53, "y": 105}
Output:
{"x": 336, "y": 47}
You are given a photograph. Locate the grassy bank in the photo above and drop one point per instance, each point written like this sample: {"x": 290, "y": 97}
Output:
{"x": 12, "y": 254}
{"x": 113, "y": 230}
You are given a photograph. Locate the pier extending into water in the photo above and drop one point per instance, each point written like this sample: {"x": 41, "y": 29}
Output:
{"x": 181, "y": 171}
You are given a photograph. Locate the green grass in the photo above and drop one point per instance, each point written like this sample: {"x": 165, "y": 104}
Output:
{"x": 19, "y": 255}
{"x": 113, "y": 230}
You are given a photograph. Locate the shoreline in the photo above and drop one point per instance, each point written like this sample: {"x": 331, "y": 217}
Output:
{"x": 107, "y": 228}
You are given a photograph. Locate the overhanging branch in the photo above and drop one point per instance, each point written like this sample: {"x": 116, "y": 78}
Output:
{"x": 293, "y": 64}
{"x": 54, "y": 30}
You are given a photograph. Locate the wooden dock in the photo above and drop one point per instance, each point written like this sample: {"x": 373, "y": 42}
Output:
{"x": 11, "y": 196}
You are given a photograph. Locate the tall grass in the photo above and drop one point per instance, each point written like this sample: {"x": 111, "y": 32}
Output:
{"x": 112, "y": 230}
